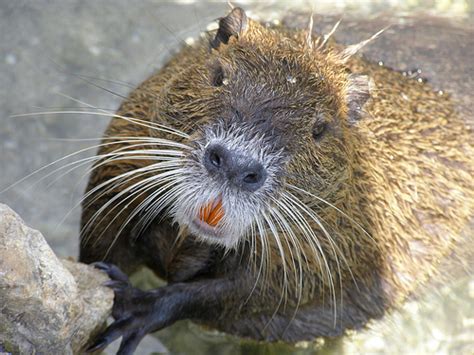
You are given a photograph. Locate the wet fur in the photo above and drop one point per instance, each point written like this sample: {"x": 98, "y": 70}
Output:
{"x": 390, "y": 186}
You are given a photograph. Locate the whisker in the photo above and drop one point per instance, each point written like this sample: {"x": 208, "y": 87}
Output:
{"x": 137, "y": 210}
{"x": 151, "y": 125}
{"x": 128, "y": 192}
{"x": 117, "y": 82}
{"x": 71, "y": 108}
{"x": 345, "y": 215}
{"x": 299, "y": 250}
{"x": 336, "y": 250}
{"x": 114, "y": 156}
{"x": 160, "y": 142}
{"x": 127, "y": 155}
{"x": 332, "y": 206}
{"x": 153, "y": 209}
{"x": 90, "y": 82}
{"x": 308, "y": 231}
{"x": 116, "y": 183}
{"x": 63, "y": 70}
{"x": 92, "y": 106}
{"x": 284, "y": 290}
{"x": 125, "y": 178}
{"x": 138, "y": 193}
{"x": 266, "y": 255}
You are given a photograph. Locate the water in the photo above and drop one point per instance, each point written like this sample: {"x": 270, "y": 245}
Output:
{"x": 44, "y": 43}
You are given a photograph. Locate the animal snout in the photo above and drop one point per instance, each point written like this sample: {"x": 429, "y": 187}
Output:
{"x": 238, "y": 169}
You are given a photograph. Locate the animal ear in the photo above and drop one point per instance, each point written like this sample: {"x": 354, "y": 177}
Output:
{"x": 234, "y": 24}
{"x": 358, "y": 93}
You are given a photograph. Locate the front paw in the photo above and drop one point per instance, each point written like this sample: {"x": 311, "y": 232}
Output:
{"x": 133, "y": 311}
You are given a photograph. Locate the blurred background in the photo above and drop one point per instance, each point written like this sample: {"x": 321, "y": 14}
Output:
{"x": 96, "y": 51}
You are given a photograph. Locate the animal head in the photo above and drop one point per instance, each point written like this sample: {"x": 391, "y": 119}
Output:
{"x": 267, "y": 110}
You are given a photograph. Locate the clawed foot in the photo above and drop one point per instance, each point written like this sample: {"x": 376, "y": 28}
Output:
{"x": 132, "y": 311}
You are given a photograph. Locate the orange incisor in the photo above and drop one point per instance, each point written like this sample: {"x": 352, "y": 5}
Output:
{"x": 212, "y": 212}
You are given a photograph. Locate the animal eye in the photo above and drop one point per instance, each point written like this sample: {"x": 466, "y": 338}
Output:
{"x": 319, "y": 129}
{"x": 218, "y": 78}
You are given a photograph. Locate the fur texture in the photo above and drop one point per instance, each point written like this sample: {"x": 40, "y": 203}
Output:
{"x": 360, "y": 206}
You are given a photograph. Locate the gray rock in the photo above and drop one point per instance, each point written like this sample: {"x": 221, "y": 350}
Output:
{"x": 46, "y": 305}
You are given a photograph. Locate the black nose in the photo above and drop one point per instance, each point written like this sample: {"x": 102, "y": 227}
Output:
{"x": 240, "y": 170}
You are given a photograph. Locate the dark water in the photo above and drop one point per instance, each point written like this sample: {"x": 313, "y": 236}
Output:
{"x": 46, "y": 44}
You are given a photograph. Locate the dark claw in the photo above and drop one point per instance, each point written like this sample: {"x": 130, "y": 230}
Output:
{"x": 129, "y": 344}
{"x": 133, "y": 311}
{"x": 112, "y": 333}
{"x": 113, "y": 271}
{"x": 98, "y": 345}
{"x": 101, "y": 266}
{"x": 116, "y": 285}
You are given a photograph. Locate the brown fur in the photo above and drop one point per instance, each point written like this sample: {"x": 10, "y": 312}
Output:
{"x": 401, "y": 175}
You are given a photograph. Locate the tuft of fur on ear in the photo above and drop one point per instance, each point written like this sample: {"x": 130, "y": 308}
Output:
{"x": 347, "y": 53}
{"x": 358, "y": 93}
{"x": 309, "y": 39}
{"x": 324, "y": 39}
{"x": 234, "y": 24}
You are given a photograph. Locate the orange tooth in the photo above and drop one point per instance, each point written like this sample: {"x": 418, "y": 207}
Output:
{"x": 216, "y": 214}
{"x": 212, "y": 212}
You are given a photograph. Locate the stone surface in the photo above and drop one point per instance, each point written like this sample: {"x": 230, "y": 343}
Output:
{"x": 46, "y": 305}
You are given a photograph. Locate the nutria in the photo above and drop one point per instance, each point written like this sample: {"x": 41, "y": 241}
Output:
{"x": 283, "y": 187}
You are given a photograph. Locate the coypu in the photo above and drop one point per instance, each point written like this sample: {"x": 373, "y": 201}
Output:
{"x": 280, "y": 192}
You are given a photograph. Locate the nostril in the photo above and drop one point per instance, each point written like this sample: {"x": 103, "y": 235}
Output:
{"x": 241, "y": 171}
{"x": 251, "y": 178}
{"x": 215, "y": 159}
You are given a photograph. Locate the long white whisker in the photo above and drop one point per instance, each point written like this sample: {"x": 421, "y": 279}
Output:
{"x": 337, "y": 252}
{"x": 279, "y": 217}
{"x": 332, "y": 206}
{"x": 308, "y": 231}
{"x": 293, "y": 246}
{"x": 136, "y": 185}
{"x": 131, "y": 197}
{"x": 315, "y": 217}
{"x": 153, "y": 209}
{"x": 112, "y": 157}
{"x": 284, "y": 290}
{"x": 136, "y": 173}
{"x": 180, "y": 145}
{"x": 137, "y": 209}
{"x": 155, "y": 154}
{"x": 153, "y": 126}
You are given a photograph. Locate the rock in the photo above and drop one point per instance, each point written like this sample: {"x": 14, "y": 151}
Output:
{"x": 46, "y": 305}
